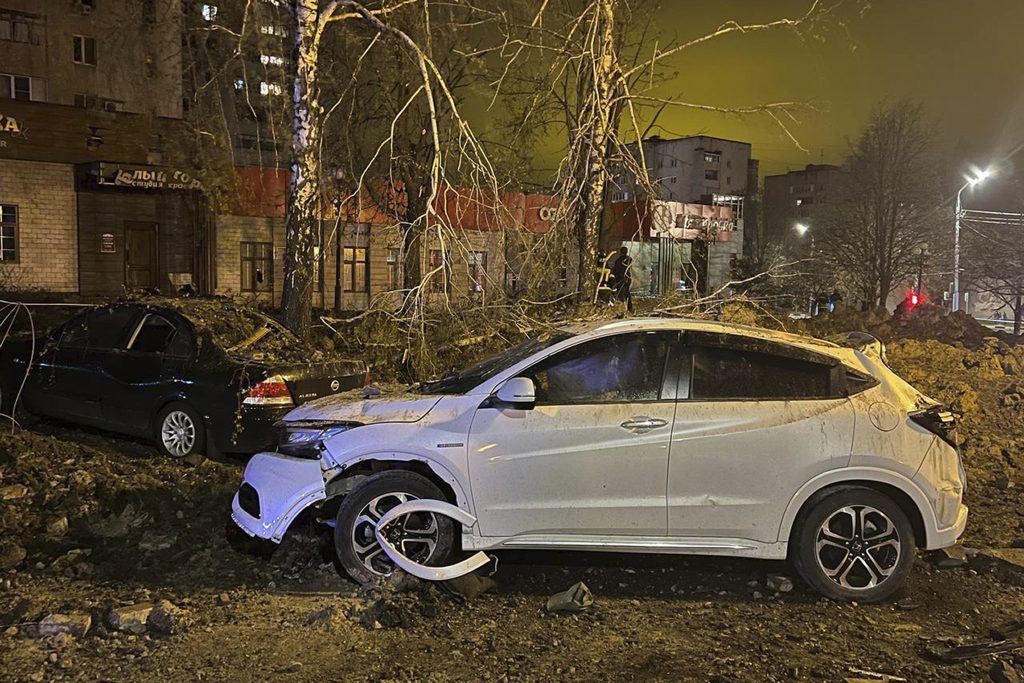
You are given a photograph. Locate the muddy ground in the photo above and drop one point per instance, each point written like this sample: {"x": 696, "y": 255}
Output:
{"x": 91, "y": 522}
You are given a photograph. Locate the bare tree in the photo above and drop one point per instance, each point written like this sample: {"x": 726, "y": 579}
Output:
{"x": 889, "y": 204}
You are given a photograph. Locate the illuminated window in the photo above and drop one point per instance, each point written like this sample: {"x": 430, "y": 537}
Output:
{"x": 257, "y": 266}
{"x": 271, "y": 60}
{"x": 273, "y": 30}
{"x": 355, "y": 272}
{"x": 209, "y": 12}
{"x": 712, "y": 158}
{"x": 270, "y": 88}
{"x": 477, "y": 261}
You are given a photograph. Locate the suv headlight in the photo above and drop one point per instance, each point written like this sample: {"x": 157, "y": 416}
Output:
{"x": 305, "y": 440}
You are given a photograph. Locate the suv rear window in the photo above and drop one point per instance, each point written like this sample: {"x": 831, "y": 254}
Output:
{"x": 723, "y": 373}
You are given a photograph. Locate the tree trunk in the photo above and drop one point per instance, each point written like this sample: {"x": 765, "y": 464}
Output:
{"x": 300, "y": 222}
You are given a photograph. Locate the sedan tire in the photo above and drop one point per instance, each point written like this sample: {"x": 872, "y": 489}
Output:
{"x": 180, "y": 431}
{"x": 426, "y": 538}
{"x": 854, "y": 544}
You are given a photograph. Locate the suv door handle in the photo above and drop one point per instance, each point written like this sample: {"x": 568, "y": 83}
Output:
{"x": 643, "y": 424}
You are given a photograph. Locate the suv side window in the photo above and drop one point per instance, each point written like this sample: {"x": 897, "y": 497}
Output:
{"x": 724, "y": 373}
{"x": 102, "y": 328}
{"x": 622, "y": 368}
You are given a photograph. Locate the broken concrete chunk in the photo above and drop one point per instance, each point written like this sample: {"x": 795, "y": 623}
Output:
{"x": 1006, "y": 564}
{"x": 168, "y": 619}
{"x": 779, "y": 583}
{"x": 1004, "y": 672}
{"x": 949, "y": 558}
{"x": 73, "y": 624}
{"x": 575, "y": 599}
{"x": 131, "y": 619}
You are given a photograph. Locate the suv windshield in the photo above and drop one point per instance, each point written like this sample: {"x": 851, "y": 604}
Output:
{"x": 464, "y": 380}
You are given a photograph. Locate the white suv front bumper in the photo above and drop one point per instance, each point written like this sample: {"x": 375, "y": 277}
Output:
{"x": 279, "y": 488}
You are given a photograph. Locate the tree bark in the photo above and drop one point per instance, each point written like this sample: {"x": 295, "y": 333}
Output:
{"x": 300, "y": 221}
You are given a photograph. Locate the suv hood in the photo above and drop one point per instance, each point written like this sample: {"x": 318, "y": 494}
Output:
{"x": 388, "y": 408}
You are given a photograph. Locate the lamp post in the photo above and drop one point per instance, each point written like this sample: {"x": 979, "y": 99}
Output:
{"x": 971, "y": 182}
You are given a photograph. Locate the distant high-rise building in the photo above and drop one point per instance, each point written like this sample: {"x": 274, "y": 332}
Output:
{"x": 799, "y": 197}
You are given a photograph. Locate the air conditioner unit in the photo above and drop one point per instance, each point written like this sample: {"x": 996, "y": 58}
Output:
{"x": 110, "y": 105}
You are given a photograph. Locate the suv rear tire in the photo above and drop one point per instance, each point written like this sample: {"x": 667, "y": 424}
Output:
{"x": 427, "y": 538}
{"x": 854, "y": 544}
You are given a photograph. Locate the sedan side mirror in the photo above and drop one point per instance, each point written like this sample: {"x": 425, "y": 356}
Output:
{"x": 517, "y": 392}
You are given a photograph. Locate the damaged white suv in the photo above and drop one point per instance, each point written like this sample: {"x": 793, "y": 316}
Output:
{"x": 661, "y": 436}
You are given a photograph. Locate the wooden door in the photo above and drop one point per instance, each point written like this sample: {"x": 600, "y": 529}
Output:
{"x": 141, "y": 269}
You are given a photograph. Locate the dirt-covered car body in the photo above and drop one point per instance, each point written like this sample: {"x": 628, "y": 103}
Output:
{"x": 717, "y": 446}
{"x": 118, "y": 367}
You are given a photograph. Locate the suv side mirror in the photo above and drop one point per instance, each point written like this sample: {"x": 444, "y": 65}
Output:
{"x": 517, "y": 392}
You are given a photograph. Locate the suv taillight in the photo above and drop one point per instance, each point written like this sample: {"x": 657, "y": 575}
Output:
{"x": 938, "y": 420}
{"x": 272, "y": 391}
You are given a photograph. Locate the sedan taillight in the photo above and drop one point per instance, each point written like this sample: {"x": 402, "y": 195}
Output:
{"x": 272, "y": 391}
{"x": 938, "y": 420}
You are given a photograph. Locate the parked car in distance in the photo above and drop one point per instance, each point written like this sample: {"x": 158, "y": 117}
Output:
{"x": 660, "y": 436}
{"x": 148, "y": 370}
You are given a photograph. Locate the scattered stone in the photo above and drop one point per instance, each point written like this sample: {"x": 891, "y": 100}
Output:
{"x": 469, "y": 586}
{"x": 575, "y": 599}
{"x": 779, "y": 583}
{"x": 167, "y": 619}
{"x": 11, "y": 555}
{"x": 194, "y": 459}
{"x": 758, "y": 595}
{"x": 1004, "y": 672}
{"x": 11, "y": 631}
{"x": 73, "y": 624}
{"x": 949, "y": 558}
{"x": 1006, "y": 564}
{"x": 13, "y": 492}
{"x": 57, "y": 526}
{"x": 223, "y": 599}
{"x": 131, "y": 619}
{"x": 1002, "y": 482}
{"x": 371, "y": 391}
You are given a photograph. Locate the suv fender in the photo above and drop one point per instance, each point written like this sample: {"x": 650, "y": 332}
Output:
{"x": 862, "y": 475}
{"x": 398, "y": 458}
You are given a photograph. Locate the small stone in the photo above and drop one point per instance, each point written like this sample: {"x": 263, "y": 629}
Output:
{"x": 779, "y": 583}
{"x": 73, "y": 624}
{"x": 1004, "y": 672}
{"x": 13, "y": 492}
{"x": 194, "y": 459}
{"x": 179, "y": 514}
{"x": 1003, "y": 483}
{"x": 223, "y": 599}
{"x": 758, "y": 595}
{"x": 131, "y": 619}
{"x": 11, "y": 555}
{"x": 11, "y": 631}
{"x": 168, "y": 619}
{"x": 52, "y": 657}
{"x": 37, "y": 676}
{"x": 57, "y": 526}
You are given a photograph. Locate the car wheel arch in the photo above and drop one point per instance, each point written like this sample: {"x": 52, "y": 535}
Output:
{"x": 901, "y": 490}
{"x": 368, "y": 464}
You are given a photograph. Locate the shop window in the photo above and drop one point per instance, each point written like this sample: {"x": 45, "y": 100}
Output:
{"x": 477, "y": 262}
{"x": 257, "y": 267}
{"x": 8, "y": 233}
{"x": 84, "y": 50}
{"x": 394, "y": 269}
{"x": 355, "y": 273}
{"x": 441, "y": 271}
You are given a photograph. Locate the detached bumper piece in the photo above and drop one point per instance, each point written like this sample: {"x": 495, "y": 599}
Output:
{"x": 249, "y": 500}
{"x": 274, "y": 490}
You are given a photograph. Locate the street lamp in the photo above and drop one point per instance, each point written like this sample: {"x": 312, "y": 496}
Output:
{"x": 971, "y": 182}
{"x": 801, "y": 229}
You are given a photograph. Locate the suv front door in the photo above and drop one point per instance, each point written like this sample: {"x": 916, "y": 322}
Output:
{"x": 590, "y": 458}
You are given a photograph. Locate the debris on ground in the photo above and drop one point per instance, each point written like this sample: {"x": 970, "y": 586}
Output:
{"x": 576, "y": 598}
{"x": 76, "y": 625}
{"x": 949, "y": 558}
{"x": 779, "y": 583}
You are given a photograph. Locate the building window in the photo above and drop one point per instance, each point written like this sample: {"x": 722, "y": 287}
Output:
{"x": 209, "y": 12}
{"x": 271, "y": 60}
{"x": 563, "y": 276}
{"x": 511, "y": 279}
{"x": 8, "y": 233}
{"x": 270, "y": 88}
{"x": 441, "y": 272}
{"x": 710, "y": 174}
{"x": 15, "y": 87}
{"x": 84, "y": 50}
{"x": 394, "y": 269}
{"x": 273, "y": 30}
{"x": 672, "y": 162}
{"x": 712, "y": 158}
{"x": 355, "y": 271}
{"x": 257, "y": 268}
{"x": 477, "y": 262}
{"x": 16, "y": 27}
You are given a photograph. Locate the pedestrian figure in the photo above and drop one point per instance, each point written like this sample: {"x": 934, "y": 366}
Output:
{"x": 623, "y": 278}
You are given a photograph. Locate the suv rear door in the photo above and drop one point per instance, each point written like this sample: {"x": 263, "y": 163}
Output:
{"x": 590, "y": 458}
{"x": 754, "y": 422}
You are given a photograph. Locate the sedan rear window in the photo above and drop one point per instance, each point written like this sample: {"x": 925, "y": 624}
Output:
{"x": 722, "y": 373}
